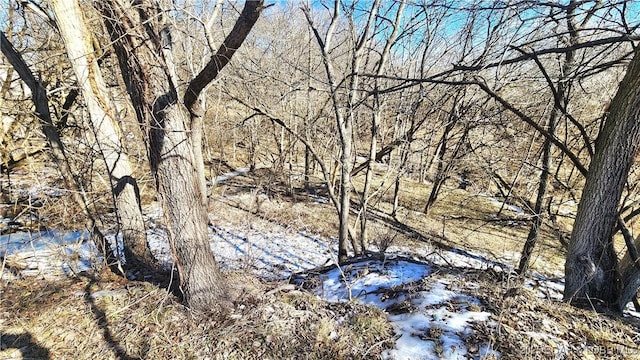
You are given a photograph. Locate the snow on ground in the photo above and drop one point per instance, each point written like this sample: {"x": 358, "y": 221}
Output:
{"x": 225, "y": 177}
{"x": 431, "y": 316}
{"x": 501, "y": 204}
{"x": 430, "y": 324}
{"x": 273, "y": 255}
{"x": 46, "y": 253}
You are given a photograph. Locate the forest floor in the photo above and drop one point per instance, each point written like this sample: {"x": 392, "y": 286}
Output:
{"x": 442, "y": 288}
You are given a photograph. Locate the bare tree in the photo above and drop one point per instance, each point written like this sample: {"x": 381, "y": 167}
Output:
{"x": 141, "y": 38}
{"x": 79, "y": 44}
{"x": 57, "y": 153}
{"x": 560, "y": 90}
{"x": 376, "y": 119}
{"x": 344, "y": 120}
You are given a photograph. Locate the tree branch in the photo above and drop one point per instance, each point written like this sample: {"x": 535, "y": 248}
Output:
{"x": 576, "y": 162}
{"x": 231, "y": 44}
{"x": 556, "y": 50}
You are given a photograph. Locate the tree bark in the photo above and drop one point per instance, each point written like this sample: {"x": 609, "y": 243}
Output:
{"x": 590, "y": 269}
{"x": 77, "y": 40}
{"x": 149, "y": 74}
{"x": 58, "y": 155}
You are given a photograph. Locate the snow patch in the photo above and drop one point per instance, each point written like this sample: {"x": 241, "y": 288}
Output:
{"x": 430, "y": 323}
{"x": 230, "y": 175}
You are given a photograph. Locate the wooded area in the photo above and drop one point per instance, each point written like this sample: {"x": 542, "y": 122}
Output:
{"x": 536, "y": 103}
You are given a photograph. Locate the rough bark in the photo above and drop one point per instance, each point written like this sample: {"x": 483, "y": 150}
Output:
{"x": 152, "y": 91}
{"x": 147, "y": 69}
{"x": 77, "y": 39}
{"x": 591, "y": 275}
{"x": 629, "y": 269}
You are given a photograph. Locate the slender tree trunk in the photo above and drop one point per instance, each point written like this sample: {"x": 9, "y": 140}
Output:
{"x": 58, "y": 154}
{"x": 345, "y": 130}
{"x": 629, "y": 272}
{"x": 197, "y": 128}
{"x": 405, "y": 149}
{"x": 368, "y": 178}
{"x": 307, "y": 119}
{"x": 561, "y": 94}
{"x": 77, "y": 39}
{"x": 538, "y": 213}
{"x": 441, "y": 170}
{"x": 346, "y": 136}
{"x": 375, "y": 125}
{"x": 590, "y": 270}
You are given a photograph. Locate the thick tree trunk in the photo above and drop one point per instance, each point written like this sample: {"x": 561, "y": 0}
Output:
{"x": 160, "y": 114}
{"x": 179, "y": 186}
{"x": 77, "y": 39}
{"x": 590, "y": 269}
{"x": 142, "y": 43}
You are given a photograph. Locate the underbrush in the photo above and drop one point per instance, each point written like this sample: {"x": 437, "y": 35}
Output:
{"x": 104, "y": 316}
{"x": 531, "y": 327}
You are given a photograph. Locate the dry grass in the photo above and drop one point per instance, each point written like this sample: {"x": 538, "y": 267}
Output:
{"x": 106, "y": 318}
{"x": 459, "y": 218}
{"x": 529, "y": 327}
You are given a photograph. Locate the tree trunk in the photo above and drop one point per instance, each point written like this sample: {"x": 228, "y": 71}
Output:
{"x": 345, "y": 189}
{"x": 173, "y": 162}
{"x": 58, "y": 155}
{"x": 560, "y": 101}
{"x": 378, "y": 105}
{"x": 368, "y": 178}
{"x": 344, "y": 125}
{"x": 532, "y": 236}
{"x": 629, "y": 271}
{"x": 307, "y": 122}
{"x": 443, "y": 167}
{"x": 179, "y": 186}
{"x": 440, "y": 176}
{"x": 142, "y": 44}
{"x": 590, "y": 270}
{"x": 77, "y": 39}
